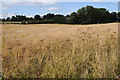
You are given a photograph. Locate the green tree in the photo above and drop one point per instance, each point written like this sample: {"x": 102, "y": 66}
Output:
{"x": 114, "y": 17}
{"x": 13, "y": 18}
{"x": 81, "y": 15}
{"x": 73, "y": 19}
{"x": 8, "y": 19}
{"x": 90, "y": 15}
{"x": 119, "y": 16}
{"x": 48, "y": 16}
{"x": 59, "y": 19}
{"x": 37, "y": 18}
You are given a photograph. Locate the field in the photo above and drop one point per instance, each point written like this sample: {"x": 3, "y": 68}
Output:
{"x": 60, "y": 51}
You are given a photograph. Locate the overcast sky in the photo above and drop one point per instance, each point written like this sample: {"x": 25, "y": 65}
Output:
{"x": 30, "y": 7}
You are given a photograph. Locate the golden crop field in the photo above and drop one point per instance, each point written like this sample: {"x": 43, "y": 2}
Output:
{"x": 60, "y": 51}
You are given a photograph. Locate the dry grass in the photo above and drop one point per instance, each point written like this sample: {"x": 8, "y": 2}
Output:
{"x": 87, "y": 53}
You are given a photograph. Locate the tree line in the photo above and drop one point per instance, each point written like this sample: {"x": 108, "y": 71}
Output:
{"x": 85, "y": 15}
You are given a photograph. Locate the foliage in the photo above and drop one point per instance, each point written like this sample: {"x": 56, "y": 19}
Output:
{"x": 85, "y": 15}
{"x": 37, "y": 18}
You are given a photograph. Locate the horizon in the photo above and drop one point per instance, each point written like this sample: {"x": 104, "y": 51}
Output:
{"x": 30, "y": 9}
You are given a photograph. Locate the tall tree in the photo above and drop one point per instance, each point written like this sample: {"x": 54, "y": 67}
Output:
{"x": 59, "y": 19}
{"x": 13, "y": 18}
{"x": 73, "y": 19}
{"x": 8, "y": 19}
{"x": 37, "y": 18}
{"x": 48, "y": 16}
{"x": 114, "y": 17}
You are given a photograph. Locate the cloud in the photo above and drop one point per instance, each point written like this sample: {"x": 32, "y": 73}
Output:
{"x": 52, "y": 8}
{"x": 104, "y": 0}
{"x": 5, "y": 5}
{"x": 2, "y": 7}
{"x": 48, "y": 1}
{"x": 7, "y": 15}
{"x": 41, "y": 1}
{"x": 8, "y": 3}
{"x": 1, "y": 16}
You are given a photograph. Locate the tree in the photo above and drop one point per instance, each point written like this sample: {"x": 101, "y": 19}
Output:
{"x": 37, "y": 18}
{"x": 104, "y": 15}
{"x": 118, "y": 16}
{"x": 85, "y": 15}
{"x": 114, "y": 17}
{"x": 13, "y": 18}
{"x": 3, "y": 19}
{"x": 30, "y": 19}
{"x": 73, "y": 19}
{"x": 59, "y": 19}
{"x": 48, "y": 16}
{"x": 67, "y": 16}
{"x": 90, "y": 15}
{"x": 21, "y": 18}
{"x": 81, "y": 15}
{"x": 8, "y": 19}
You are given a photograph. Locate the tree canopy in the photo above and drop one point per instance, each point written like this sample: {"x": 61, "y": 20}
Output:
{"x": 85, "y": 15}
